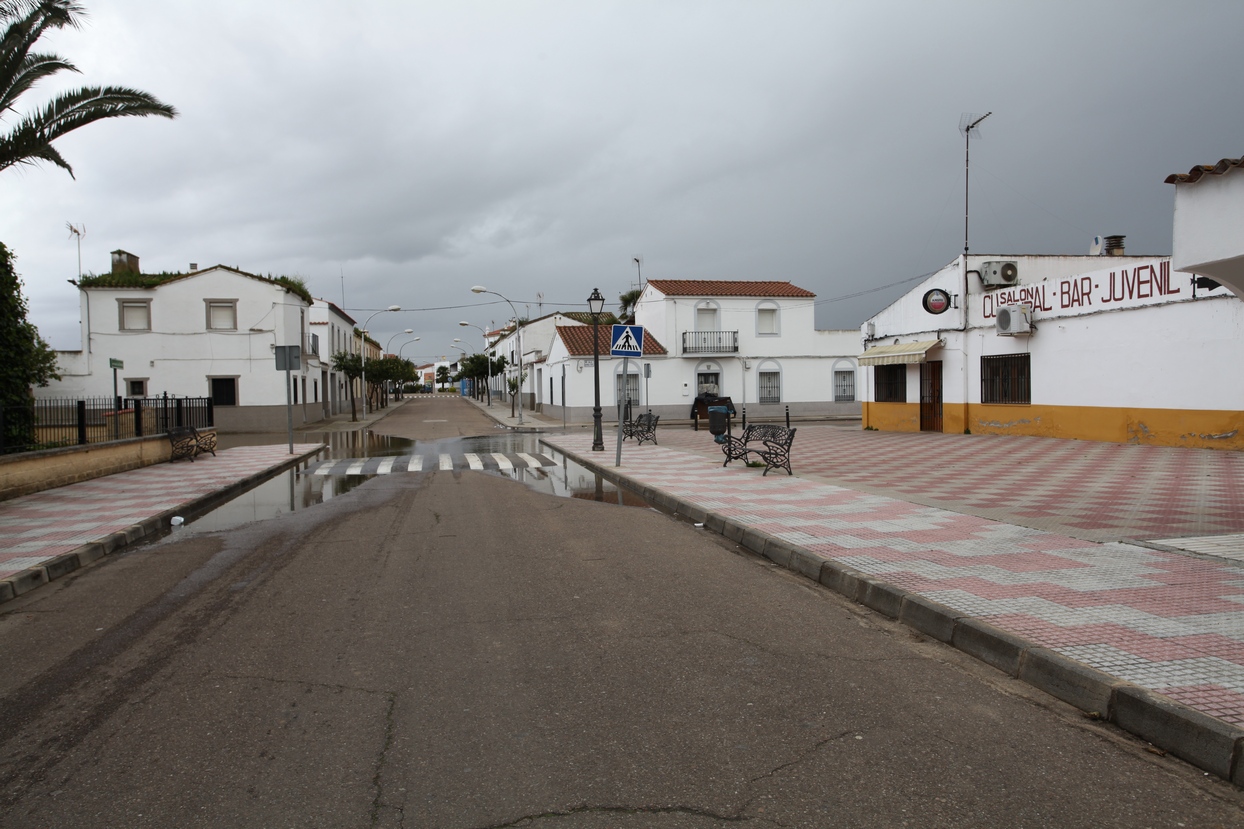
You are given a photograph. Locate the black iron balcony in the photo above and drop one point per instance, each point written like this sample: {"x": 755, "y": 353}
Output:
{"x": 710, "y": 342}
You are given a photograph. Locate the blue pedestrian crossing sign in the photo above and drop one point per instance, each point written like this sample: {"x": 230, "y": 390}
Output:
{"x": 627, "y": 341}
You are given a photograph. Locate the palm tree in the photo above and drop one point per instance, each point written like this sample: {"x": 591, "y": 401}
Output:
{"x": 627, "y": 303}
{"x": 30, "y": 141}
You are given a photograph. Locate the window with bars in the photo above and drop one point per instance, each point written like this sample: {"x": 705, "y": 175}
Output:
{"x": 632, "y": 387}
{"x": 1006, "y": 379}
{"x": 844, "y": 386}
{"x": 890, "y": 384}
{"x": 770, "y": 386}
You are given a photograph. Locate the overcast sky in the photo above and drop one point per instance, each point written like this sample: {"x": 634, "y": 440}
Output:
{"x": 536, "y": 148}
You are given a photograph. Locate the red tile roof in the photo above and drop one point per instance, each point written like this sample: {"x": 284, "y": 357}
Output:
{"x": 727, "y": 287}
{"x": 1205, "y": 170}
{"x": 578, "y": 340}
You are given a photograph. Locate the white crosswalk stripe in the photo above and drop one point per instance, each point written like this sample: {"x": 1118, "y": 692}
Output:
{"x": 476, "y": 461}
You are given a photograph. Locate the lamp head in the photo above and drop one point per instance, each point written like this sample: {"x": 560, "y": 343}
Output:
{"x": 394, "y": 308}
{"x": 479, "y": 289}
{"x": 596, "y": 302}
{"x": 464, "y": 322}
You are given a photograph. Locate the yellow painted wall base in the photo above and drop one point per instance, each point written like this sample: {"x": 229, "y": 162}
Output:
{"x": 1152, "y": 427}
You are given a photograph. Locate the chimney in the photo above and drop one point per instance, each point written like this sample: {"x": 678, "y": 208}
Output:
{"x": 1113, "y": 245}
{"x": 124, "y": 262}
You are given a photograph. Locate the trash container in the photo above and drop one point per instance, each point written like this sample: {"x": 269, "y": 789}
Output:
{"x": 718, "y": 419}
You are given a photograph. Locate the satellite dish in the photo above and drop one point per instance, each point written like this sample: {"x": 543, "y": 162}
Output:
{"x": 1095, "y": 248}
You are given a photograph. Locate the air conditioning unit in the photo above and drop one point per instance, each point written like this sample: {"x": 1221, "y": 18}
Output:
{"x": 999, "y": 274}
{"x": 1013, "y": 319}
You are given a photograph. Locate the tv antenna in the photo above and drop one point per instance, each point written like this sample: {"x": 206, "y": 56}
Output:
{"x": 539, "y": 302}
{"x": 79, "y": 231}
{"x": 969, "y": 125}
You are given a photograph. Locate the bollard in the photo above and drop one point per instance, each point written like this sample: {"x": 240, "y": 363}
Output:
{"x": 787, "y": 415}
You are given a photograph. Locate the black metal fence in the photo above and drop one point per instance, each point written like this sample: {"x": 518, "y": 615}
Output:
{"x": 49, "y": 424}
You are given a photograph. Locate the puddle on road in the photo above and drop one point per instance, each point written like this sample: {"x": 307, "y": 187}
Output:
{"x": 296, "y": 489}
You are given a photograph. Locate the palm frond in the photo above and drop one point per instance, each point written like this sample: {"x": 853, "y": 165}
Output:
{"x": 29, "y": 72}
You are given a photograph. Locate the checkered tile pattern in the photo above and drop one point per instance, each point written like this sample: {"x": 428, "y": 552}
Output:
{"x": 38, "y": 527}
{"x": 1165, "y": 621}
{"x": 1085, "y": 489}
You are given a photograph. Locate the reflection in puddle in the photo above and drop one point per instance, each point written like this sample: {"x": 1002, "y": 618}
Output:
{"x": 296, "y": 490}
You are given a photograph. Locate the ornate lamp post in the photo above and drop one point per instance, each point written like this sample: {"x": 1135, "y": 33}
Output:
{"x": 364, "y": 356}
{"x": 518, "y": 334}
{"x": 596, "y": 304}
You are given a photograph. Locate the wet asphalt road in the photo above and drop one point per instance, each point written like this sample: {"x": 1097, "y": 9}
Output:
{"x": 457, "y": 650}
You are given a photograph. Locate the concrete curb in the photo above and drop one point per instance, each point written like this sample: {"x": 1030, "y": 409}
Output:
{"x": 150, "y": 528}
{"x": 1206, "y": 742}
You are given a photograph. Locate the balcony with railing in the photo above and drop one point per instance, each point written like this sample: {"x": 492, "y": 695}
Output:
{"x": 710, "y": 342}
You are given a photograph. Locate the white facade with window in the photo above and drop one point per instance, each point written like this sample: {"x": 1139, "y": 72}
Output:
{"x": 1113, "y": 348}
{"x": 754, "y": 342}
{"x": 209, "y": 333}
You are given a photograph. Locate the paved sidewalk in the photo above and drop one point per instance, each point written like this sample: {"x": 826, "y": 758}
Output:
{"x": 50, "y": 533}
{"x": 1164, "y": 621}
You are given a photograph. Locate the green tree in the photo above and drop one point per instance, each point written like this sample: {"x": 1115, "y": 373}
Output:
{"x": 442, "y": 376}
{"x": 627, "y": 303}
{"x": 29, "y": 141}
{"x": 351, "y": 365}
{"x": 28, "y": 361}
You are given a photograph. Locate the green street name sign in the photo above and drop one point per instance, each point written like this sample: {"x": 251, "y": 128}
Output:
{"x": 115, "y": 363}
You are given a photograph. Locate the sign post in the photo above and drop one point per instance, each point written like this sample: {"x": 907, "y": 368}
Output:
{"x": 289, "y": 357}
{"x": 626, "y": 341}
{"x": 114, "y": 364}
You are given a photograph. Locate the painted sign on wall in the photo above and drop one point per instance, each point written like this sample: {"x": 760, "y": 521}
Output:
{"x": 1149, "y": 284}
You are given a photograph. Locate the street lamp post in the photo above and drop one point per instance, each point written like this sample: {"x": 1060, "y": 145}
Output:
{"x": 596, "y": 304}
{"x": 518, "y": 334}
{"x": 364, "y": 361}
{"x": 402, "y": 348}
{"x": 389, "y": 344}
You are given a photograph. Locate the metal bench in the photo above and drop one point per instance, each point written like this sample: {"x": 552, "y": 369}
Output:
{"x": 641, "y": 428}
{"x": 188, "y": 441}
{"x": 768, "y": 442}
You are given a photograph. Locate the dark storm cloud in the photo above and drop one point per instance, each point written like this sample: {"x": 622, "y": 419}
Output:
{"x": 536, "y": 148}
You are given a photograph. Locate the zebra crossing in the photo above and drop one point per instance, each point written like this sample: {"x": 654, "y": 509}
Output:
{"x": 490, "y": 461}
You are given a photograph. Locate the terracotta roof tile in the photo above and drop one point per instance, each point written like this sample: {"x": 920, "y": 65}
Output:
{"x": 727, "y": 287}
{"x": 578, "y": 340}
{"x": 1200, "y": 170}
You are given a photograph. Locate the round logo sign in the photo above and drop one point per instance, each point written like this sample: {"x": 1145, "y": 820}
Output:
{"x": 936, "y": 301}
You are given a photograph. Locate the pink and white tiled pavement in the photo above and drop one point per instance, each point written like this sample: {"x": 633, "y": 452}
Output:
{"x": 1169, "y": 622}
{"x": 36, "y": 528}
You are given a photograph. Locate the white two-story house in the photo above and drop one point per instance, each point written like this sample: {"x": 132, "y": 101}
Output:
{"x": 752, "y": 341}
{"x": 206, "y": 333}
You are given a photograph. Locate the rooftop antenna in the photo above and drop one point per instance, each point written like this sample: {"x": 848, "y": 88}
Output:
{"x": 343, "y": 286}
{"x": 968, "y": 125}
{"x": 78, "y": 231}
{"x": 539, "y": 303}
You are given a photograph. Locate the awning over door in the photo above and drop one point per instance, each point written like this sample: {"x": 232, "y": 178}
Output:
{"x": 888, "y": 355}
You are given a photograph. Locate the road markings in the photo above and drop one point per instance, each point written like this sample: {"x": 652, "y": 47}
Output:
{"x": 473, "y": 460}
{"x": 386, "y": 466}
{"x": 502, "y": 461}
{"x": 531, "y": 462}
{"x": 416, "y": 464}
{"x": 447, "y": 462}
{"x": 356, "y": 468}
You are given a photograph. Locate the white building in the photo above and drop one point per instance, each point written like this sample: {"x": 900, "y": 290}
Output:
{"x": 333, "y": 331}
{"x": 1112, "y": 348}
{"x": 753, "y": 341}
{"x": 207, "y": 333}
{"x": 1209, "y": 212}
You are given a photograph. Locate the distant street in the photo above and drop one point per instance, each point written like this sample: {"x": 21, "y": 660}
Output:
{"x": 454, "y": 649}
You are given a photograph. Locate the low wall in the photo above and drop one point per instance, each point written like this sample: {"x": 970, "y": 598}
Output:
{"x": 37, "y": 471}
{"x": 268, "y": 418}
